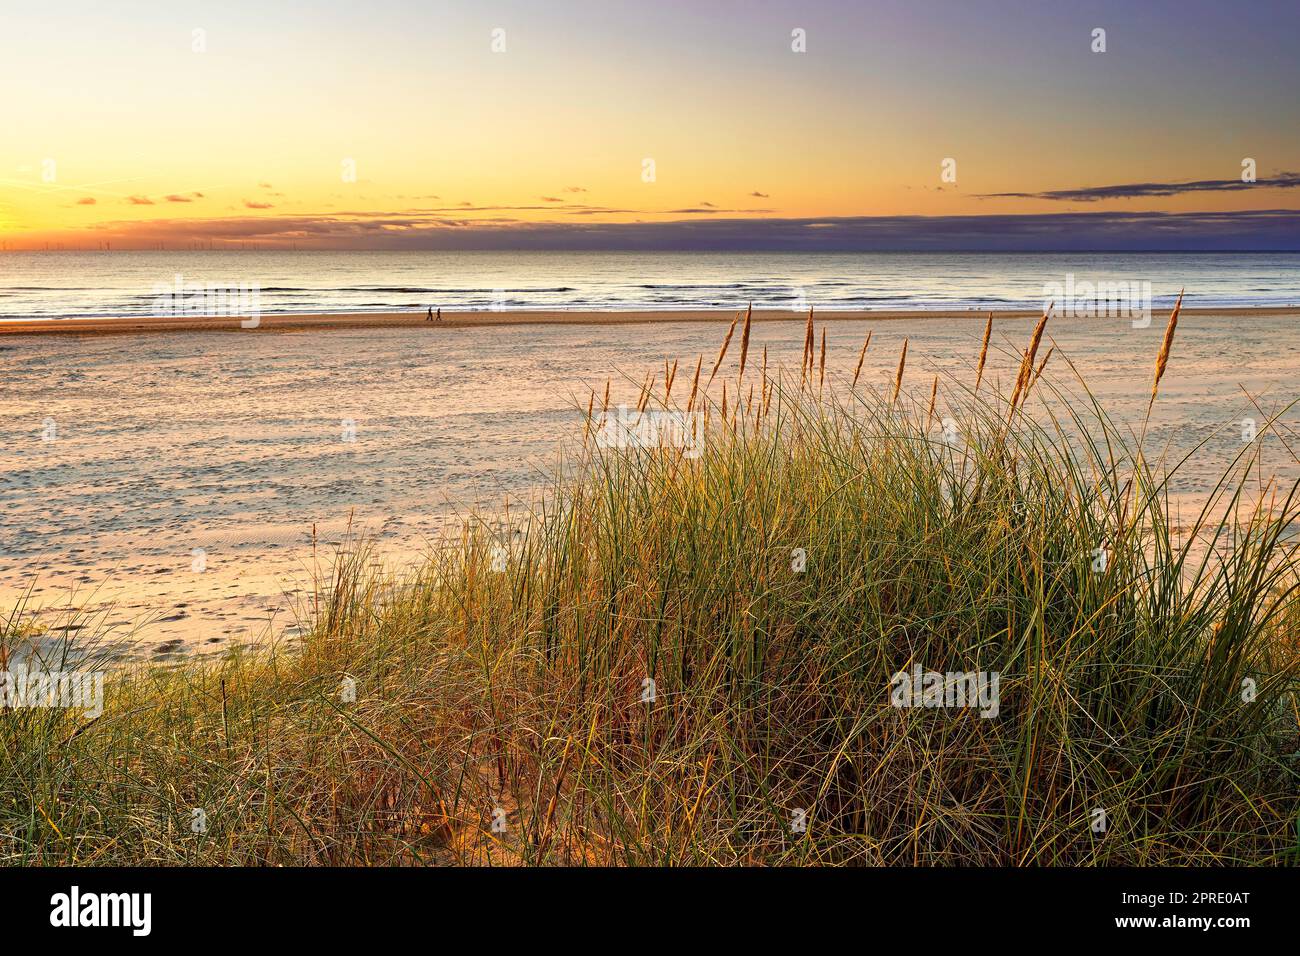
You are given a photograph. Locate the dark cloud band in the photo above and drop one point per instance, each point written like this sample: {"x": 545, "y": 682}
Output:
{"x": 1142, "y": 190}
{"x": 1253, "y": 230}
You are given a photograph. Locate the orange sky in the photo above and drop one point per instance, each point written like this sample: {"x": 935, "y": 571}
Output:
{"x": 131, "y": 126}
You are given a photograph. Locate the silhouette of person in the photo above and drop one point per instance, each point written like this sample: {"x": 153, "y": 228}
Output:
{"x": 429, "y": 316}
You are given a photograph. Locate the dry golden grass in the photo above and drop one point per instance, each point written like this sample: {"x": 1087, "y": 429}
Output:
{"x": 650, "y": 679}
{"x": 984, "y": 352}
{"x": 898, "y": 375}
{"x": 861, "y": 357}
{"x": 744, "y": 344}
{"x": 1166, "y": 344}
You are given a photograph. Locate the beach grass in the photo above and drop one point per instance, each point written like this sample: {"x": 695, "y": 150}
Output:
{"x": 673, "y": 659}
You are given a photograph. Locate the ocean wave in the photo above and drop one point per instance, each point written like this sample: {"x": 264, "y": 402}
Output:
{"x": 122, "y": 284}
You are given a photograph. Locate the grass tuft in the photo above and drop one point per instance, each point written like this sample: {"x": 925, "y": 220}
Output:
{"x": 680, "y": 657}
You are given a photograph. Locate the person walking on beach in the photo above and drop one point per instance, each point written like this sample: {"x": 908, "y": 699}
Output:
{"x": 439, "y": 314}
{"x": 429, "y": 316}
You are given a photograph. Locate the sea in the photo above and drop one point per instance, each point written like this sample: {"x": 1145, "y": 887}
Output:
{"x": 120, "y": 283}
{"x": 186, "y": 490}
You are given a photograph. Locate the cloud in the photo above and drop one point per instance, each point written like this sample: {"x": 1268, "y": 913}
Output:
{"x": 758, "y": 195}
{"x": 250, "y": 204}
{"x": 575, "y": 189}
{"x": 265, "y": 186}
{"x": 707, "y": 208}
{"x": 176, "y": 197}
{"x": 86, "y": 201}
{"x": 469, "y": 207}
{"x": 1274, "y": 229}
{"x": 1136, "y": 190}
{"x": 139, "y": 200}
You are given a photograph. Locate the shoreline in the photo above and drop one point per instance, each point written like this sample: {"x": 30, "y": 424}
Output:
{"x": 453, "y": 420}
{"x": 302, "y": 322}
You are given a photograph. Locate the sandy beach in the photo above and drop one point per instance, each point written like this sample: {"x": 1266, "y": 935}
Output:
{"x": 163, "y": 444}
{"x": 682, "y": 436}
{"x": 382, "y": 320}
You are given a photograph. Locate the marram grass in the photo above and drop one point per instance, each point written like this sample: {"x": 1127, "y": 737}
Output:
{"x": 682, "y": 660}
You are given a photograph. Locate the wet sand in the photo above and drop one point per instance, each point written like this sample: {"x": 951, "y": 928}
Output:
{"x": 383, "y": 320}
{"x": 121, "y": 455}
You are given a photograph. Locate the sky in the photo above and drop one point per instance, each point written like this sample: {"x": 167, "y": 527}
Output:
{"x": 819, "y": 124}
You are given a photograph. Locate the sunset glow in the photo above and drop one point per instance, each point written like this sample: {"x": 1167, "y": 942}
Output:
{"x": 223, "y": 124}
